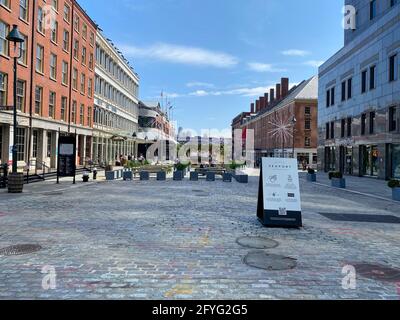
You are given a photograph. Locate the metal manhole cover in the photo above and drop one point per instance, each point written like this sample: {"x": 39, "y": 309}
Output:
{"x": 378, "y": 272}
{"x": 373, "y": 218}
{"x": 270, "y": 262}
{"x": 257, "y": 242}
{"x": 20, "y": 249}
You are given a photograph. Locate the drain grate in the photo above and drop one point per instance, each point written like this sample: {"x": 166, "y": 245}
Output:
{"x": 378, "y": 272}
{"x": 20, "y": 249}
{"x": 373, "y": 218}
{"x": 270, "y": 262}
{"x": 257, "y": 242}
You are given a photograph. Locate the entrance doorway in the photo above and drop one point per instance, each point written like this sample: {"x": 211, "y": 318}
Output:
{"x": 346, "y": 160}
{"x": 370, "y": 164}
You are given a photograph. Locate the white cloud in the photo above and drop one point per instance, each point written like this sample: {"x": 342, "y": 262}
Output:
{"x": 245, "y": 92}
{"x": 296, "y": 53}
{"x": 314, "y": 63}
{"x": 263, "y": 67}
{"x": 181, "y": 54}
{"x": 199, "y": 84}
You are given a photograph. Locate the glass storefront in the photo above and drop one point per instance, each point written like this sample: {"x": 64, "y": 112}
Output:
{"x": 330, "y": 159}
{"x": 396, "y": 161}
{"x": 370, "y": 155}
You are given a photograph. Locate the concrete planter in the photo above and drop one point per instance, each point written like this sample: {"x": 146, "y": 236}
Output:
{"x": 311, "y": 177}
{"x": 127, "y": 175}
{"x": 338, "y": 183}
{"x": 15, "y": 183}
{"x": 210, "y": 176}
{"x": 144, "y": 175}
{"x": 227, "y": 177}
{"x": 243, "y": 178}
{"x": 110, "y": 175}
{"x": 396, "y": 194}
{"x": 194, "y": 176}
{"x": 161, "y": 176}
{"x": 178, "y": 175}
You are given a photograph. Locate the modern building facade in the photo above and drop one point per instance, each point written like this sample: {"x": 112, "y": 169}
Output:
{"x": 116, "y": 104}
{"x": 55, "y": 85}
{"x": 284, "y": 122}
{"x": 359, "y": 95}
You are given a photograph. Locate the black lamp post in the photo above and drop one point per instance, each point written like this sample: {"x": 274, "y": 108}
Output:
{"x": 294, "y": 121}
{"x": 145, "y": 139}
{"x": 15, "y": 37}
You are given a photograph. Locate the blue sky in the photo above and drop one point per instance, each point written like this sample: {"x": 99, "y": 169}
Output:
{"x": 213, "y": 57}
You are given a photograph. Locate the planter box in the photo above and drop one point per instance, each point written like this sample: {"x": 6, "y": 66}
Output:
{"x": 161, "y": 176}
{"x": 110, "y": 175}
{"x": 127, "y": 175}
{"x": 338, "y": 183}
{"x": 311, "y": 177}
{"x": 210, "y": 176}
{"x": 194, "y": 176}
{"x": 15, "y": 183}
{"x": 144, "y": 175}
{"x": 396, "y": 194}
{"x": 243, "y": 178}
{"x": 178, "y": 175}
{"x": 227, "y": 177}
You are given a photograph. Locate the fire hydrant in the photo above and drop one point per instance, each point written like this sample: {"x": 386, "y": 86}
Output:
{"x": 85, "y": 177}
{"x": 94, "y": 174}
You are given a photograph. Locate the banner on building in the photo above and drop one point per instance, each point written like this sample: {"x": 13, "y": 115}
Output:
{"x": 279, "y": 201}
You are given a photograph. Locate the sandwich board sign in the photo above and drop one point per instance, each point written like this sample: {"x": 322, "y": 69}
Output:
{"x": 279, "y": 202}
{"x": 66, "y": 164}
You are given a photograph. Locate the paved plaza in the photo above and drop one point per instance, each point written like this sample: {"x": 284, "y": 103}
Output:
{"x": 178, "y": 240}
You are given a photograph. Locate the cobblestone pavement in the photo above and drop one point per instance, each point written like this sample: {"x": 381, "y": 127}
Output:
{"x": 177, "y": 240}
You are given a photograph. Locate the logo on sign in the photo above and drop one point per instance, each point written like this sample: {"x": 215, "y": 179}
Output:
{"x": 282, "y": 212}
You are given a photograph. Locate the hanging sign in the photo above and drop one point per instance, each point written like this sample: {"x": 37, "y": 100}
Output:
{"x": 279, "y": 202}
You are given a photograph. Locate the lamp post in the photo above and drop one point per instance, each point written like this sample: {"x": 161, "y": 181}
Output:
{"x": 294, "y": 121}
{"x": 15, "y": 185}
{"x": 145, "y": 139}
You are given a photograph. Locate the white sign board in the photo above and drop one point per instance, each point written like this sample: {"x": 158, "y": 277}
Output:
{"x": 279, "y": 194}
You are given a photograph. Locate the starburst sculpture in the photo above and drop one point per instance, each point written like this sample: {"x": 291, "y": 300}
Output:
{"x": 282, "y": 127}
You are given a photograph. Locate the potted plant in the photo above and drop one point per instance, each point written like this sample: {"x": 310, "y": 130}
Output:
{"x": 395, "y": 186}
{"x": 110, "y": 173}
{"x": 337, "y": 180}
{"x": 179, "y": 172}
{"x": 311, "y": 175}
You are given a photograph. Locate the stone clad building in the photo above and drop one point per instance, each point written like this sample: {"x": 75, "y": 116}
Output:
{"x": 55, "y": 84}
{"x": 278, "y": 116}
{"x": 359, "y": 95}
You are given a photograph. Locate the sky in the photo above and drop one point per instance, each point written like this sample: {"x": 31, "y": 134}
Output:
{"x": 212, "y": 58}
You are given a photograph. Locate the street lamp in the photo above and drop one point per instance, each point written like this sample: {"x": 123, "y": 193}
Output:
{"x": 294, "y": 121}
{"x": 145, "y": 145}
{"x": 15, "y": 184}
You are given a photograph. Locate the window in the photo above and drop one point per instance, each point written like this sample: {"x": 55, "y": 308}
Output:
{"x": 307, "y": 142}
{"x": 84, "y": 31}
{"x": 75, "y": 79}
{"x": 54, "y": 31}
{"x": 73, "y": 112}
{"x": 91, "y": 61}
{"x": 342, "y": 128}
{"x": 21, "y": 95}
{"x": 49, "y": 143}
{"x": 76, "y": 23}
{"x": 23, "y": 9}
{"x": 333, "y": 96}
{"x": 81, "y": 114}
{"x": 67, "y": 13}
{"x": 91, "y": 39}
{"x": 349, "y": 124}
{"x": 83, "y": 83}
{"x": 63, "y": 107}
{"x": 76, "y": 49}
{"x": 3, "y": 89}
{"x": 24, "y": 54}
{"x": 372, "y": 9}
{"x": 40, "y": 24}
{"x": 65, "y": 73}
{"x": 90, "y": 87}
{"x": 349, "y": 88}
{"x": 307, "y": 111}
{"x": 5, "y": 3}
{"x": 372, "y": 116}
{"x": 35, "y": 136}
{"x": 332, "y": 130}
{"x": 372, "y": 81}
{"x": 393, "y": 68}
{"x": 4, "y": 30}
{"x": 307, "y": 124}
{"x": 83, "y": 55}
{"x": 39, "y": 58}
{"x": 364, "y": 81}
{"x": 53, "y": 66}
{"x": 343, "y": 90}
{"x": 363, "y": 123}
{"x": 328, "y": 98}
{"x": 89, "y": 116}
{"x": 38, "y": 99}
{"x": 20, "y": 143}
{"x": 66, "y": 40}
{"x": 393, "y": 2}
{"x": 52, "y": 104}
{"x": 54, "y": 4}
{"x": 327, "y": 134}
{"x": 392, "y": 119}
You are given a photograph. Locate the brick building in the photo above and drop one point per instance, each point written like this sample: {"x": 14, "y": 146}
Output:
{"x": 272, "y": 116}
{"x": 55, "y": 88}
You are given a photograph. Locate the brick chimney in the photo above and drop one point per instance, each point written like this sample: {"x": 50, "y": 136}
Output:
{"x": 266, "y": 100}
{"x": 271, "y": 95}
{"x": 284, "y": 87}
{"x": 252, "y": 108}
{"x": 262, "y": 103}
{"x": 257, "y": 105}
{"x": 278, "y": 91}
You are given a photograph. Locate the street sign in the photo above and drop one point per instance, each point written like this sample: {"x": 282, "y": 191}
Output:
{"x": 66, "y": 166}
{"x": 279, "y": 202}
